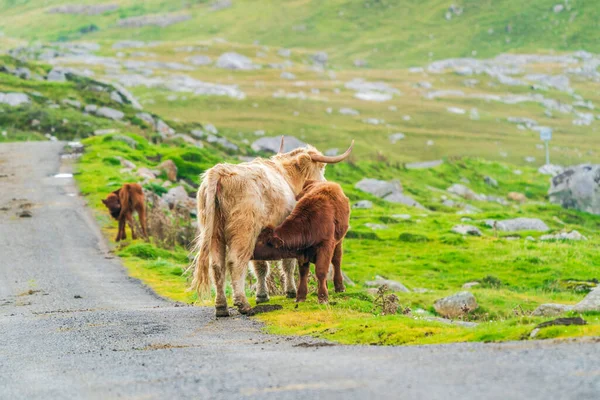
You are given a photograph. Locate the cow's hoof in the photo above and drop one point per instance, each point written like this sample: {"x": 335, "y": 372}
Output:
{"x": 340, "y": 289}
{"x": 300, "y": 299}
{"x": 323, "y": 300}
{"x": 291, "y": 295}
{"x": 221, "y": 312}
{"x": 262, "y": 299}
{"x": 243, "y": 308}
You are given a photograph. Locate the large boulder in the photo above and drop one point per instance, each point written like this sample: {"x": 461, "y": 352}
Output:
{"x": 393, "y": 285}
{"x": 591, "y": 302}
{"x": 170, "y": 169}
{"x": 466, "y": 230}
{"x": 463, "y": 191}
{"x": 271, "y": 144}
{"x": 14, "y": 99}
{"x": 518, "y": 224}
{"x": 551, "y": 310}
{"x": 110, "y": 113}
{"x": 577, "y": 187}
{"x": 178, "y": 196}
{"x": 456, "y": 305}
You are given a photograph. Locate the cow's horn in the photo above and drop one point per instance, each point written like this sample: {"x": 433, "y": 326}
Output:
{"x": 281, "y": 145}
{"x": 332, "y": 160}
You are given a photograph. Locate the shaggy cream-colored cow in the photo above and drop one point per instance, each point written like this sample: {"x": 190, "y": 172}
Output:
{"x": 235, "y": 202}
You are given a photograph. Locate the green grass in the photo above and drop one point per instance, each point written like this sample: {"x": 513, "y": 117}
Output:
{"x": 516, "y": 276}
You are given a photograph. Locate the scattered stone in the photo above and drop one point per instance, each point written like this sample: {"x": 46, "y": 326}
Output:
{"x": 147, "y": 118}
{"x": 272, "y": 144}
{"x": 591, "y": 302}
{"x": 90, "y": 108}
{"x": 101, "y": 132}
{"x": 14, "y": 99}
{"x": 463, "y": 191}
{"x": 177, "y": 195}
{"x": 376, "y": 226}
{"x": 530, "y": 159}
{"x": 360, "y": 63}
{"x": 466, "y": 230}
{"x": 394, "y": 138}
{"x": 379, "y": 188}
{"x": 170, "y": 169}
{"x": 332, "y": 152}
{"x": 127, "y": 164}
{"x": 114, "y": 96}
{"x": 456, "y": 305}
{"x": 287, "y": 75}
{"x": 284, "y": 52}
{"x": 518, "y": 224}
{"x": 470, "y": 285}
{"x": 371, "y": 91}
{"x": 163, "y": 129}
{"x": 456, "y": 110}
{"x": 80, "y": 9}
{"x": 577, "y": 187}
{"x": 72, "y": 103}
{"x": 320, "y": 58}
{"x": 373, "y": 121}
{"x": 125, "y": 139}
{"x": 400, "y": 198}
{"x": 235, "y": 61}
{"x": 56, "y": 75}
{"x": 160, "y": 20}
{"x": 110, "y": 113}
{"x": 516, "y": 197}
{"x": 530, "y": 238}
{"x": 490, "y": 181}
{"x": 200, "y": 60}
{"x": 363, "y": 205}
{"x": 348, "y": 111}
{"x": 392, "y": 285}
{"x": 551, "y": 310}
{"x": 558, "y": 8}
{"x": 573, "y": 235}
{"x": 226, "y": 144}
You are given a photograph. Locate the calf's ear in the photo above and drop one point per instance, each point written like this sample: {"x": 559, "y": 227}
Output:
{"x": 104, "y": 201}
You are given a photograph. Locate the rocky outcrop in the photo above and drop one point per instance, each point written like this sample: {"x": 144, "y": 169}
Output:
{"x": 578, "y": 187}
{"x": 272, "y": 144}
{"x": 518, "y": 224}
{"x": 456, "y": 305}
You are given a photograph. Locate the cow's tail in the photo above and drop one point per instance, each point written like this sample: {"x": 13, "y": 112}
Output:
{"x": 124, "y": 200}
{"x": 209, "y": 226}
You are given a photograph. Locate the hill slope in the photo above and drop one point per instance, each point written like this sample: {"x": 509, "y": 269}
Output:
{"x": 387, "y": 33}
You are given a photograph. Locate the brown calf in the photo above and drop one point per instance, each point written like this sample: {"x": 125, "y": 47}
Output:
{"x": 122, "y": 203}
{"x": 313, "y": 232}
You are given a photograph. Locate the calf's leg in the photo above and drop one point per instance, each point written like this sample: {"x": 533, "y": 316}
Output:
{"x": 338, "y": 279}
{"x": 121, "y": 235}
{"x": 218, "y": 268}
{"x": 130, "y": 222}
{"x": 303, "y": 285}
{"x": 324, "y": 256}
{"x": 142, "y": 217}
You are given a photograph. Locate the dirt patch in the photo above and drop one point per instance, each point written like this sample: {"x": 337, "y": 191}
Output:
{"x": 265, "y": 308}
{"x": 29, "y": 292}
{"x": 562, "y": 321}
{"x": 314, "y": 345}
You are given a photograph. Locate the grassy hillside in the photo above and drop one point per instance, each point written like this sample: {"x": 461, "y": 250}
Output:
{"x": 387, "y": 33}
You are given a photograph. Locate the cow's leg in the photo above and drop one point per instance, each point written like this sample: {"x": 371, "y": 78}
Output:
{"x": 237, "y": 264}
{"x": 121, "y": 235}
{"x": 218, "y": 268}
{"x": 261, "y": 270}
{"x": 303, "y": 285}
{"x": 142, "y": 216}
{"x": 338, "y": 279}
{"x": 289, "y": 267}
{"x": 324, "y": 256}
{"x": 130, "y": 222}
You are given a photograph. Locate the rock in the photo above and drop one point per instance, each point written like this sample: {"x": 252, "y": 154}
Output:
{"x": 379, "y": 188}
{"x": 14, "y": 99}
{"x": 530, "y": 159}
{"x": 160, "y": 20}
{"x": 200, "y": 60}
{"x": 456, "y": 110}
{"x": 376, "y": 227}
{"x": 394, "y": 138}
{"x": 222, "y": 142}
{"x": 332, "y": 152}
{"x": 320, "y": 58}
{"x": 147, "y": 118}
{"x": 591, "y": 302}
{"x": 363, "y": 205}
{"x": 348, "y": 111}
{"x": 466, "y": 230}
{"x": 81, "y": 9}
{"x": 456, "y": 305}
{"x": 178, "y": 196}
{"x": 90, "y": 108}
{"x": 110, "y": 113}
{"x": 371, "y": 91}
{"x": 287, "y": 75}
{"x": 551, "y": 169}
{"x": 392, "y": 285}
{"x": 235, "y": 61}
{"x": 530, "y": 238}
{"x": 284, "y": 52}
{"x": 573, "y": 235}
{"x": 210, "y": 128}
{"x": 271, "y": 144}
{"x": 163, "y": 129}
{"x": 470, "y": 285}
{"x": 56, "y": 75}
{"x": 519, "y": 224}
{"x": 72, "y": 103}
{"x": 170, "y": 169}
{"x": 101, "y": 132}
{"x": 558, "y": 8}
{"x": 578, "y": 187}
{"x": 125, "y": 94}
{"x": 490, "y": 181}
{"x": 403, "y": 199}
{"x": 125, "y": 139}
{"x": 463, "y": 191}
{"x": 114, "y": 96}
{"x": 360, "y": 63}
{"x": 402, "y": 216}
{"x": 551, "y": 310}
{"x": 126, "y": 163}
{"x": 517, "y": 197}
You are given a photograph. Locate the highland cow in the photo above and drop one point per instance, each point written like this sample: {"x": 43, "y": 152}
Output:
{"x": 122, "y": 203}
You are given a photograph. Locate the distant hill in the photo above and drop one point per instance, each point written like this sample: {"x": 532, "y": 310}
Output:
{"x": 383, "y": 33}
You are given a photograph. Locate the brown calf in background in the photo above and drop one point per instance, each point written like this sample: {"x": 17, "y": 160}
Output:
{"x": 122, "y": 203}
{"x": 313, "y": 232}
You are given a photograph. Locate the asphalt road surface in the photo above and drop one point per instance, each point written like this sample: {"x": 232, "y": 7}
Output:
{"x": 73, "y": 325}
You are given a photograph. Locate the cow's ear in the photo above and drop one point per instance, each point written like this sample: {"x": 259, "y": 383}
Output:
{"x": 103, "y": 201}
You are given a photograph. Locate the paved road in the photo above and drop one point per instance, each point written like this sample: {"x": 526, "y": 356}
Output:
{"x": 119, "y": 340}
